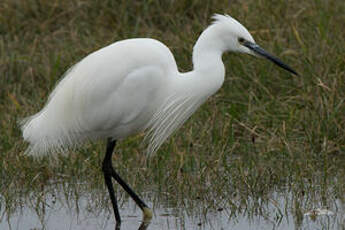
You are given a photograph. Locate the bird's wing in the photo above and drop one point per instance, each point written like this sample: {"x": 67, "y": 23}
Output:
{"x": 126, "y": 109}
{"x": 110, "y": 93}
{"x": 76, "y": 113}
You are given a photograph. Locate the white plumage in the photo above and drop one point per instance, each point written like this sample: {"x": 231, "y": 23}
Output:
{"x": 131, "y": 86}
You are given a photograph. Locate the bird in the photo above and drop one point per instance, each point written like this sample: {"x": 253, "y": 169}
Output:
{"x": 133, "y": 86}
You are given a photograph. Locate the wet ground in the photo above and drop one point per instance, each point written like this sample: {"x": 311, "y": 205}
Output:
{"x": 60, "y": 210}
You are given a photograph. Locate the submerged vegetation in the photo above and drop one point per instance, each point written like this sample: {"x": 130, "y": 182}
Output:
{"x": 265, "y": 132}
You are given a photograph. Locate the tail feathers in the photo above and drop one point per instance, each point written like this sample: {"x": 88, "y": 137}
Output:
{"x": 45, "y": 136}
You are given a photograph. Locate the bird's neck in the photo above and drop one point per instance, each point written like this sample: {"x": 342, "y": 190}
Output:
{"x": 207, "y": 57}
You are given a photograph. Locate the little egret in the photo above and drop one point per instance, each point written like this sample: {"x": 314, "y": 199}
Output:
{"x": 131, "y": 86}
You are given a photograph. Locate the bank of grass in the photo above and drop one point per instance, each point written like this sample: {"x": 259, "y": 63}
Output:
{"x": 264, "y": 131}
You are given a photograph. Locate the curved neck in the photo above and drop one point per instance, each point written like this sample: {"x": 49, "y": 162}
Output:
{"x": 207, "y": 56}
{"x": 208, "y": 49}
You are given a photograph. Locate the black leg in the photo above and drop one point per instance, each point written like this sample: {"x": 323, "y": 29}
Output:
{"x": 109, "y": 172}
{"x": 106, "y": 168}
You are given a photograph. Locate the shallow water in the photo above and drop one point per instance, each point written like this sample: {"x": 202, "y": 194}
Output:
{"x": 55, "y": 210}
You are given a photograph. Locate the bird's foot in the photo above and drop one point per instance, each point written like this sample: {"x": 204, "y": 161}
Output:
{"x": 147, "y": 214}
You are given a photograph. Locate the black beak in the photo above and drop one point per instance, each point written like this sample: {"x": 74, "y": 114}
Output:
{"x": 261, "y": 52}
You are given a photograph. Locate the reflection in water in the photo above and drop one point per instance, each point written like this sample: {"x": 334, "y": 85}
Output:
{"x": 144, "y": 225}
{"x": 66, "y": 210}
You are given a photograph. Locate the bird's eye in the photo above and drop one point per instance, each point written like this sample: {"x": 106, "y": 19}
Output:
{"x": 241, "y": 40}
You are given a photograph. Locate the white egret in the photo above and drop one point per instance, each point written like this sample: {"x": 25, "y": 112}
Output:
{"x": 131, "y": 86}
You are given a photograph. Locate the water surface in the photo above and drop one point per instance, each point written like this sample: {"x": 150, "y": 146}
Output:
{"x": 56, "y": 209}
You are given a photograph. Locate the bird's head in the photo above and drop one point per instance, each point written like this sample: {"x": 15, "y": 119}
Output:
{"x": 233, "y": 36}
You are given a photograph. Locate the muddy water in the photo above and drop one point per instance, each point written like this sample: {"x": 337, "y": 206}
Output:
{"x": 58, "y": 211}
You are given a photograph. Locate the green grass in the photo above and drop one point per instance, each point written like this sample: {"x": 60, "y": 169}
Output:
{"x": 264, "y": 131}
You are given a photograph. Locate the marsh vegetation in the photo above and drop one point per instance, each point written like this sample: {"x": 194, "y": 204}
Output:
{"x": 264, "y": 151}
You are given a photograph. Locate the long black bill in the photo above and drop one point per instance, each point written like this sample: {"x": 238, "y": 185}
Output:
{"x": 260, "y": 51}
